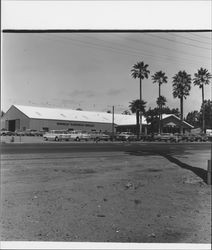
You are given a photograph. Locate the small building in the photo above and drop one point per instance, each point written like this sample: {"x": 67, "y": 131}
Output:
{"x": 20, "y": 117}
{"x": 171, "y": 124}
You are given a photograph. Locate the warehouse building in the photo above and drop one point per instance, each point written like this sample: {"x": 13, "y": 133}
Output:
{"x": 20, "y": 117}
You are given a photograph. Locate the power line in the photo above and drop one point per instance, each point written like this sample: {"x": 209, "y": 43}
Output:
{"x": 187, "y": 44}
{"x": 200, "y": 36}
{"x": 166, "y": 48}
{"x": 118, "y": 50}
{"x": 144, "y": 52}
{"x": 191, "y": 39}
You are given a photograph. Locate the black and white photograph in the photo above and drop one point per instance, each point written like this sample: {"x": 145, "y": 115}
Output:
{"x": 106, "y": 135}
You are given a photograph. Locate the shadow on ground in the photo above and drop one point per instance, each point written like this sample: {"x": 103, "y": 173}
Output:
{"x": 202, "y": 173}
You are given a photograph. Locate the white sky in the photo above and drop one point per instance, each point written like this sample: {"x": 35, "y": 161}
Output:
{"x": 92, "y": 70}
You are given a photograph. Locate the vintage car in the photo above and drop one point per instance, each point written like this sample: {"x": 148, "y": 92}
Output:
{"x": 78, "y": 135}
{"x": 6, "y": 132}
{"x": 126, "y": 136}
{"x": 56, "y": 135}
{"x": 167, "y": 137}
{"x": 99, "y": 136}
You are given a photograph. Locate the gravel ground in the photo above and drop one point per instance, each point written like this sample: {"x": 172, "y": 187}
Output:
{"x": 104, "y": 197}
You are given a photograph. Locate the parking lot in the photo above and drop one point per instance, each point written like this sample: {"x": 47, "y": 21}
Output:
{"x": 105, "y": 192}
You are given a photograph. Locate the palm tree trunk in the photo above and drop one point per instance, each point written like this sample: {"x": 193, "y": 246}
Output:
{"x": 203, "y": 110}
{"x": 140, "y": 130}
{"x": 137, "y": 123}
{"x": 159, "y": 110}
{"x": 181, "y": 115}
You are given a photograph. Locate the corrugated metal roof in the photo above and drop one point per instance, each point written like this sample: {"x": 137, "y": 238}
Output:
{"x": 76, "y": 115}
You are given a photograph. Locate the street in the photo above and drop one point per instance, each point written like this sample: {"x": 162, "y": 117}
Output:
{"x": 99, "y": 192}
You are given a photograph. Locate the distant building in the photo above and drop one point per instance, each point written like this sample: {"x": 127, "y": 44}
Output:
{"x": 171, "y": 124}
{"x": 20, "y": 117}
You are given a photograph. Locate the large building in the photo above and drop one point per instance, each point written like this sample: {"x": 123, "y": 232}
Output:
{"x": 20, "y": 117}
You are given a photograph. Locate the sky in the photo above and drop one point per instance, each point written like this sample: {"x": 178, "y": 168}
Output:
{"x": 92, "y": 71}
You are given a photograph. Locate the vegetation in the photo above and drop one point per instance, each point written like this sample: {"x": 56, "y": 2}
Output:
{"x": 140, "y": 71}
{"x": 201, "y": 78}
{"x": 126, "y": 112}
{"x": 137, "y": 106}
{"x": 181, "y": 88}
{"x": 159, "y": 78}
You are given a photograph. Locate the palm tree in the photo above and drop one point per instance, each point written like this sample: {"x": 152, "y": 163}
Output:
{"x": 161, "y": 101}
{"x": 140, "y": 71}
{"x": 201, "y": 78}
{"x": 181, "y": 88}
{"x": 137, "y": 106}
{"x": 160, "y": 78}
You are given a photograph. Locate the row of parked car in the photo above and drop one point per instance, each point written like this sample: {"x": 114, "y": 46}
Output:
{"x": 59, "y": 135}
{"x": 167, "y": 137}
{"x": 64, "y": 135}
{"x": 27, "y": 132}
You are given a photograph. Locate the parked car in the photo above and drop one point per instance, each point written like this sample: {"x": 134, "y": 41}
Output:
{"x": 99, "y": 136}
{"x": 126, "y": 136}
{"x": 166, "y": 137}
{"x": 19, "y": 132}
{"x": 6, "y": 132}
{"x": 201, "y": 137}
{"x": 78, "y": 135}
{"x": 56, "y": 135}
{"x": 188, "y": 137}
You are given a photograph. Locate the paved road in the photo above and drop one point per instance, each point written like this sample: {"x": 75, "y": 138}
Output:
{"x": 145, "y": 148}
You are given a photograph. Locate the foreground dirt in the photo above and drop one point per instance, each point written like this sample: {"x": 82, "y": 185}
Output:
{"x": 104, "y": 197}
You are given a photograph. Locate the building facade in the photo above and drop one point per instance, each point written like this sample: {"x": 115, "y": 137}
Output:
{"x": 20, "y": 117}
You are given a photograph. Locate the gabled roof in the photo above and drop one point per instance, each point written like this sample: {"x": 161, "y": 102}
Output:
{"x": 164, "y": 116}
{"x": 76, "y": 115}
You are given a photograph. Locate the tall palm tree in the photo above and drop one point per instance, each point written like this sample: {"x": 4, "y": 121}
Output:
{"x": 160, "y": 78}
{"x": 137, "y": 106}
{"x": 201, "y": 78}
{"x": 181, "y": 88}
{"x": 140, "y": 71}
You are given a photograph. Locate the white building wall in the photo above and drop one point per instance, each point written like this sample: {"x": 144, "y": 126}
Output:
{"x": 41, "y": 124}
{"x": 22, "y": 121}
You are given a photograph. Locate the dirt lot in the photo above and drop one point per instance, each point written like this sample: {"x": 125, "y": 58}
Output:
{"x": 104, "y": 197}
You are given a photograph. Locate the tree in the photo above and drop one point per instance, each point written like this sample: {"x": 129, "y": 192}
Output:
{"x": 201, "y": 78}
{"x": 137, "y": 106}
{"x": 153, "y": 119}
{"x": 181, "y": 88}
{"x": 193, "y": 118}
{"x": 160, "y": 78}
{"x": 2, "y": 113}
{"x": 126, "y": 112}
{"x": 140, "y": 71}
{"x": 207, "y": 109}
{"x": 161, "y": 101}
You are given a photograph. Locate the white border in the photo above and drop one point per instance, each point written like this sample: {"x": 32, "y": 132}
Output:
{"x": 106, "y": 15}
{"x": 89, "y": 245}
